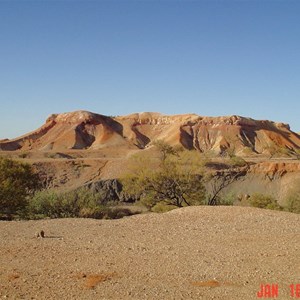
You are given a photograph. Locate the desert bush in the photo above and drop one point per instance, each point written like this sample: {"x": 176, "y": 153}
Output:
{"x": 228, "y": 199}
{"x": 97, "y": 212}
{"x": 264, "y": 201}
{"x": 23, "y": 155}
{"x": 165, "y": 149}
{"x": 297, "y": 153}
{"x": 105, "y": 212}
{"x": 173, "y": 180}
{"x": 17, "y": 183}
{"x": 61, "y": 205}
{"x": 237, "y": 161}
{"x": 162, "y": 207}
{"x": 79, "y": 203}
{"x": 118, "y": 213}
{"x": 249, "y": 151}
{"x": 278, "y": 151}
{"x": 293, "y": 204}
{"x": 293, "y": 200}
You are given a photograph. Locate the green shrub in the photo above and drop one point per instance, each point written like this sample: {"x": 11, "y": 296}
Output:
{"x": 237, "y": 161}
{"x": 264, "y": 201}
{"x": 23, "y": 155}
{"x": 97, "y": 212}
{"x": 293, "y": 203}
{"x": 17, "y": 183}
{"x": 79, "y": 203}
{"x": 173, "y": 180}
{"x": 227, "y": 199}
{"x": 118, "y": 213}
{"x": 297, "y": 153}
{"x": 161, "y": 207}
{"x": 278, "y": 151}
{"x": 61, "y": 205}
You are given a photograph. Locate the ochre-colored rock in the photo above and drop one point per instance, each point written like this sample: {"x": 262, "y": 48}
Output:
{"x": 86, "y": 130}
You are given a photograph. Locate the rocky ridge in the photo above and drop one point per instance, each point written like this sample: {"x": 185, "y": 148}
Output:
{"x": 86, "y": 130}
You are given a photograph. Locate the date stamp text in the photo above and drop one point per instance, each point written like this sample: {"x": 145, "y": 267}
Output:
{"x": 272, "y": 290}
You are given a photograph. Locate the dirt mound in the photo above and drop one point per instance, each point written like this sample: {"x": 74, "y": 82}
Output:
{"x": 189, "y": 253}
{"x": 86, "y": 130}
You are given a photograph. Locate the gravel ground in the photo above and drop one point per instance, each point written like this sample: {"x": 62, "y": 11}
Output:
{"x": 190, "y": 253}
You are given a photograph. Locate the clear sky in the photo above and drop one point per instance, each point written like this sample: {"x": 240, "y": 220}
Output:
{"x": 117, "y": 57}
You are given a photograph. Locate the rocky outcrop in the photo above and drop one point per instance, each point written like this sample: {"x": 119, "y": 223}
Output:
{"x": 110, "y": 190}
{"x": 86, "y": 130}
{"x": 275, "y": 170}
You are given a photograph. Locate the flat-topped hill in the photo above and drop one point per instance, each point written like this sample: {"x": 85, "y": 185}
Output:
{"x": 86, "y": 130}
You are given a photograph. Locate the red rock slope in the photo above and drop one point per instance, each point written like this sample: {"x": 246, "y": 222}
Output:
{"x": 86, "y": 130}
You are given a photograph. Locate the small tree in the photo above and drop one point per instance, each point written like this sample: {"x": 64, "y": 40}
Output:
{"x": 165, "y": 149}
{"x": 17, "y": 183}
{"x": 171, "y": 181}
{"x": 220, "y": 180}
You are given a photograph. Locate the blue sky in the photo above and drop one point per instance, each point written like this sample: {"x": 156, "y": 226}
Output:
{"x": 117, "y": 57}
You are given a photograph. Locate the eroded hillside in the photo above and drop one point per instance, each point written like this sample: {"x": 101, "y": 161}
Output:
{"x": 86, "y": 130}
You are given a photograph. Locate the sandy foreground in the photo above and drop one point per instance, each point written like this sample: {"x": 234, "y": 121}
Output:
{"x": 189, "y": 253}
